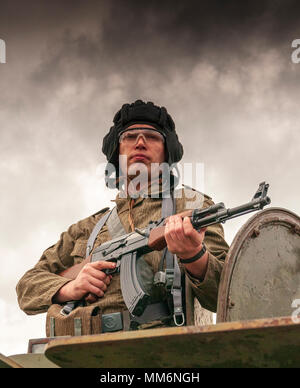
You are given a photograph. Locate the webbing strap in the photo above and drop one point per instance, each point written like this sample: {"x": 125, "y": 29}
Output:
{"x": 95, "y": 232}
{"x": 172, "y": 267}
{"x": 167, "y": 210}
{"x": 114, "y": 224}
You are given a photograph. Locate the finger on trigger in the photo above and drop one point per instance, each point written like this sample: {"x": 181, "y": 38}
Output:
{"x": 102, "y": 264}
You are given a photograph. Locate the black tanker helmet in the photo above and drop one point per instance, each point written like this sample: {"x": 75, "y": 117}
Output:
{"x": 140, "y": 112}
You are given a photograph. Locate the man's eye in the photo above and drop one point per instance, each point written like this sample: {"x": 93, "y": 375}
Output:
{"x": 130, "y": 136}
{"x": 154, "y": 137}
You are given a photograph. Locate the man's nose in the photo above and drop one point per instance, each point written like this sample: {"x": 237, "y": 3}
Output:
{"x": 140, "y": 141}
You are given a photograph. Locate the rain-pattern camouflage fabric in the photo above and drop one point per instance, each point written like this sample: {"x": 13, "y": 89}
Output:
{"x": 37, "y": 287}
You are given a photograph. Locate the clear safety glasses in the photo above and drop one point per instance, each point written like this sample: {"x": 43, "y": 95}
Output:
{"x": 150, "y": 136}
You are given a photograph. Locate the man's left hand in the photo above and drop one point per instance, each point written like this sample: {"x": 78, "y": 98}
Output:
{"x": 185, "y": 242}
{"x": 182, "y": 239}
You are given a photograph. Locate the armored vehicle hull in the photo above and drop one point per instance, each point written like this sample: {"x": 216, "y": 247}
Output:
{"x": 257, "y": 320}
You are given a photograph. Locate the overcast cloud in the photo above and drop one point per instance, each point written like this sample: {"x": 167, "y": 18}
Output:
{"x": 224, "y": 73}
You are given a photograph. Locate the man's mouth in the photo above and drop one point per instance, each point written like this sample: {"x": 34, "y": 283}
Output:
{"x": 140, "y": 157}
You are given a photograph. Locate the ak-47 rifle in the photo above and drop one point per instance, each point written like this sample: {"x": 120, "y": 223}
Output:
{"x": 126, "y": 250}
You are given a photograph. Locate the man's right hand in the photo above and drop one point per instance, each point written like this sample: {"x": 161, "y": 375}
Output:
{"x": 91, "y": 283}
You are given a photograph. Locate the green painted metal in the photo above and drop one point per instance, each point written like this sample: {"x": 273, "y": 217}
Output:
{"x": 260, "y": 280}
{"x": 258, "y": 343}
{"x": 7, "y": 362}
{"x": 33, "y": 360}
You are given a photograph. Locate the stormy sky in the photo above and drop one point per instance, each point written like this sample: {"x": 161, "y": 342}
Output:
{"x": 222, "y": 69}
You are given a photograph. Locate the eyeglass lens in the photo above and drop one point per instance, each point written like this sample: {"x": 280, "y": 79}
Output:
{"x": 149, "y": 136}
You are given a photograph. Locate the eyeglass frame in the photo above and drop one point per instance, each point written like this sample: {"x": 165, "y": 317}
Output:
{"x": 163, "y": 137}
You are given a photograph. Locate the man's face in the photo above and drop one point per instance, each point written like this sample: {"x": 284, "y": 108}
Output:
{"x": 141, "y": 151}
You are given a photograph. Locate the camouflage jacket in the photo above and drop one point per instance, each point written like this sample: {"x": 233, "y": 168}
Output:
{"x": 37, "y": 287}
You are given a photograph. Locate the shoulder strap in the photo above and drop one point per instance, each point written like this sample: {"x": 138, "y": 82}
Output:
{"x": 172, "y": 267}
{"x": 95, "y": 232}
{"x": 114, "y": 224}
{"x": 195, "y": 313}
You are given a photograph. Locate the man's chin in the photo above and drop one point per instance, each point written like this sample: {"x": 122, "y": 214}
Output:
{"x": 138, "y": 168}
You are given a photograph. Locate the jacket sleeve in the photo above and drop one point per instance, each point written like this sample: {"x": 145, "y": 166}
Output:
{"x": 206, "y": 290}
{"x": 37, "y": 287}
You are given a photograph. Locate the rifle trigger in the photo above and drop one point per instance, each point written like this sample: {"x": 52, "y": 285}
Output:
{"x": 110, "y": 271}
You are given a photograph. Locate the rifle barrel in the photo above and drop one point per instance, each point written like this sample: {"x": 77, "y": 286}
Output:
{"x": 225, "y": 214}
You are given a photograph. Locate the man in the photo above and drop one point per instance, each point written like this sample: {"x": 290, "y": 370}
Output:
{"x": 143, "y": 136}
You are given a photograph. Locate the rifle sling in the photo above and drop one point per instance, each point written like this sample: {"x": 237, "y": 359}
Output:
{"x": 115, "y": 227}
{"x": 173, "y": 272}
{"x": 95, "y": 232}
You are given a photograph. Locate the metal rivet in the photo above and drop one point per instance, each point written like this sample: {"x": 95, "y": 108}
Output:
{"x": 256, "y": 232}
